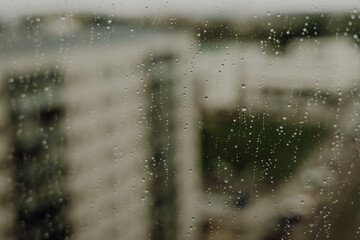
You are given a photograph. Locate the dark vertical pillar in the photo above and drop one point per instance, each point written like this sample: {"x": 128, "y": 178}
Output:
{"x": 162, "y": 140}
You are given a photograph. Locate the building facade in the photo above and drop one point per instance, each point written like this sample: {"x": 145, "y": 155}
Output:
{"x": 99, "y": 138}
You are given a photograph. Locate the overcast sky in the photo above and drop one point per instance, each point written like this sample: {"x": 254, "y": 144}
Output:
{"x": 231, "y": 8}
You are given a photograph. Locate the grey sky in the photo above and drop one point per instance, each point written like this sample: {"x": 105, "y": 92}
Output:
{"x": 234, "y": 8}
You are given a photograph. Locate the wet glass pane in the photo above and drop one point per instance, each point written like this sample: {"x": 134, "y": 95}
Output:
{"x": 163, "y": 120}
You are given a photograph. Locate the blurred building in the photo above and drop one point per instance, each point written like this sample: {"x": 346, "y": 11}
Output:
{"x": 314, "y": 81}
{"x": 306, "y": 77}
{"x": 98, "y": 128}
{"x": 7, "y": 208}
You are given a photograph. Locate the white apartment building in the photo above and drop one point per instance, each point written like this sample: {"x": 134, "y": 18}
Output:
{"x": 308, "y": 76}
{"x": 106, "y": 122}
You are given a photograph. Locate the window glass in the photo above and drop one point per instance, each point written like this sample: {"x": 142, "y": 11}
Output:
{"x": 162, "y": 120}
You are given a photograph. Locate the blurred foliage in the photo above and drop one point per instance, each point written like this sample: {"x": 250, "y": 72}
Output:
{"x": 273, "y": 149}
{"x": 274, "y": 30}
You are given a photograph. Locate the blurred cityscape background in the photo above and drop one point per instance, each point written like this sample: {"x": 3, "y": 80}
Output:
{"x": 180, "y": 127}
